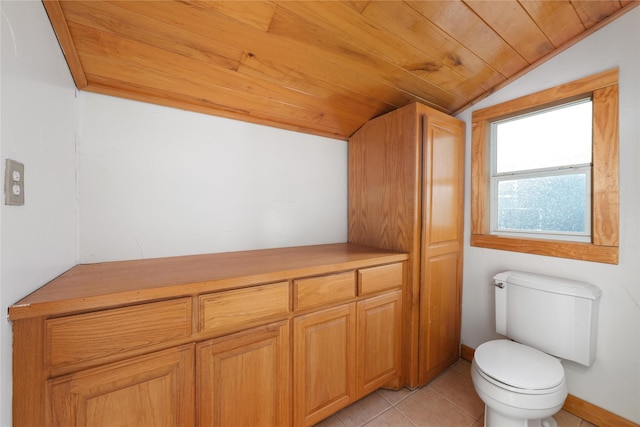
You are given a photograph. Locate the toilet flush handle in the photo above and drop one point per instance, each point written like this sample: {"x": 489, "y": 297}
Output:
{"x": 499, "y": 284}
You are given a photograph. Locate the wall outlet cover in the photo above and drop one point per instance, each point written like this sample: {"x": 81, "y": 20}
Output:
{"x": 13, "y": 183}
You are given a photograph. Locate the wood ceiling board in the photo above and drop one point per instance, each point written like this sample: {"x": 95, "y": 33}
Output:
{"x": 557, "y": 19}
{"x": 271, "y": 47}
{"x": 404, "y": 21}
{"x": 110, "y": 18}
{"x": 258, "y": 14}
{"x": 337, "y": 28}
{"x": 341, "y": 98}
{"x": 592, "y": 12}
{"x": 59, "y": 23}
{"x": 356, "y": 60}
{"x": 136, "y": 92}
{"x": 353, "y": 34}
{"x": 515, "y": 26}
{"x": 323, "y": 68}
{"x": 358, "y": 6}
{"x": 463, "y": 25}
{"x": 125, "y": 60}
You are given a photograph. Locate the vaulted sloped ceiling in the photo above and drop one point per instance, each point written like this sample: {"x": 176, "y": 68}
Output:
{"x": 321, "y": 67}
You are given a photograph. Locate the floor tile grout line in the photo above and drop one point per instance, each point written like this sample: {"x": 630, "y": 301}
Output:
{"x": 370, "y": 419}
{"x": 393, "y": 405}
{"x": 460, "y": 375}
{"x": 391, "y": 408}
{"x": 455, "y": 404}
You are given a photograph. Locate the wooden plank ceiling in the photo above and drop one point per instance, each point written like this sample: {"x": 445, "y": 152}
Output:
{"x": 321, "y": 67}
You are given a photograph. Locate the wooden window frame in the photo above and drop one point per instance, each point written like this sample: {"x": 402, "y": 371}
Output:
{"x": 605, "y": 205}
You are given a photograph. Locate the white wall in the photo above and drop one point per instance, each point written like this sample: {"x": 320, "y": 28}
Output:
{"x": 156, "y": 181}
{"x": 37, "y": 240}
{"x": 613, "y": 381}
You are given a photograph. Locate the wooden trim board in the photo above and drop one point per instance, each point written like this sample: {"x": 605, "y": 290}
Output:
{"x": 578, "y": 407}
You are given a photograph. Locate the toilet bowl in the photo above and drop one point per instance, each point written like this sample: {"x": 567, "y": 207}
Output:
{"x": 520, "y": 386}
{"x": 521, "y": 380}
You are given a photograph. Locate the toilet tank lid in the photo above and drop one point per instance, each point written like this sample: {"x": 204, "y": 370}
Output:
{"x": 551, "y": 284}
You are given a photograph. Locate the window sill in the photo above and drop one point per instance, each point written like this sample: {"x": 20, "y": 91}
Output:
{"x": 556, "y": 248}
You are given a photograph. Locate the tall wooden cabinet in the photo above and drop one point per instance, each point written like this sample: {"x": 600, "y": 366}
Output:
{"x": 406, "y": 193}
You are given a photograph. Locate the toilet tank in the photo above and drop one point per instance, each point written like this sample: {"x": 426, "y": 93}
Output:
{"x": 557, "y": 316}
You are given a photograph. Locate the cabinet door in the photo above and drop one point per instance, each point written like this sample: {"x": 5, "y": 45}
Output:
{"x": 244, "y": 379}
{"x": 152, "y": 390}
{"x": 324, "y": 359}
{"x": 441, "y": 255}
{"x": 379, "y": 326}
{"x": 441, "y": 314}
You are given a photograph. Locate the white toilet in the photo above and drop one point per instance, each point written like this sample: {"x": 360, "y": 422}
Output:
{"x": 522, "y": 382}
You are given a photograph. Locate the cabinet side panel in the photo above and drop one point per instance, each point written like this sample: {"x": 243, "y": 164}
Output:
{"x": 384, "y": 179}
{"x": 28, "y": 372}
{"x": 384, "y": 206}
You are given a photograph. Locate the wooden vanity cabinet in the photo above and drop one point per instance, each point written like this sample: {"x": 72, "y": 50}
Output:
{"x": 203, "y": 340}
{"x": 406, "y": 193}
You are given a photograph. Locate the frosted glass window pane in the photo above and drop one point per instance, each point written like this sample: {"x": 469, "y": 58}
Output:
{"x": 556, "y": 137}
{"x": 547, "y": 203}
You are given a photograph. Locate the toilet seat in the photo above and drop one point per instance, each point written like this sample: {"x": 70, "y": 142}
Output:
{"x": 519, "y": 368}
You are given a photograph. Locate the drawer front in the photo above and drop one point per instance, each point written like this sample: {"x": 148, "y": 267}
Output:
{"x": 322, "y": 290}
{"x": 105, "y": 333}
{"x": 376, "y": 279}
{"x": 243, "y": 307}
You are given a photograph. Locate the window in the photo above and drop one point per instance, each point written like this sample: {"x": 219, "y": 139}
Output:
{"x": 541, "y": 173}
{"x": 545, "y": 172}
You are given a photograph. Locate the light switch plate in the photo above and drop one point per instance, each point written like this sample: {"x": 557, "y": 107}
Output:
{"x": 13, "y": 183}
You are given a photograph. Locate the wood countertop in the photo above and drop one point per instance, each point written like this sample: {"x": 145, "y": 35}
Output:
{"x": 111, "y": 284}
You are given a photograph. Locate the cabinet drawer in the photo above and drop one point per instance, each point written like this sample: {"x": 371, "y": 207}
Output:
{"x": 377, "y": 279}
{"x": 316, "y": 291}
{"x": 104, "y": 333}
{"x": 243, "y": 307}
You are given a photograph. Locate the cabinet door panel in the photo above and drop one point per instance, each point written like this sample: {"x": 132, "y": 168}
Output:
{"x": 243, "y": 379}
{"x": 152, "y": 390}
{"x": 444, "y": 184}
{"x": 440, "y": 315}
{"x": 379, "y": 341}
{"x": 441, "y": 247}
{"x": 324, "y": 362}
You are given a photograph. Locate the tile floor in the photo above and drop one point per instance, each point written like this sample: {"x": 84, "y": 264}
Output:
{"x": 448, "y": 401}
